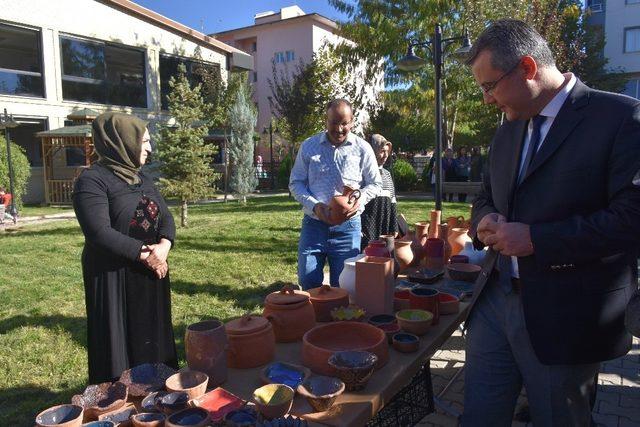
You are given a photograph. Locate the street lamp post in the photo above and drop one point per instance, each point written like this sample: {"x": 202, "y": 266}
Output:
{"x": 7, "y": 122}
{"x": 412, "y": 62}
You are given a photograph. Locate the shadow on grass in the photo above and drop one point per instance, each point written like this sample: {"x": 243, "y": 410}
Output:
{"x": 50, "y": 231}
{"x": 246, "y": 298}
{"x": 20, "y": 405}
{"x": 264, "y": 244}
{"x": 76, "y": 326}
{"x": 235, "y": 207}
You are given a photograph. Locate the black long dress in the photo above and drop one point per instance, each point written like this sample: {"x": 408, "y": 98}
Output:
{"x": 128, "y": 308}
{"x": 380, "y": 214}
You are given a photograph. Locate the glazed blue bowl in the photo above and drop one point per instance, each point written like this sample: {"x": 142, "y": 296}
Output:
{"x": 354, "y": 368}
{"x": 189, "y": 417}
{"x": 59, "y": 414}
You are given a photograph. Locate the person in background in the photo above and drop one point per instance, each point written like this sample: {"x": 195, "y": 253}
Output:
{"x": 128, "y": 233}
{"x": 5, "y": 205}
{"x": 449, "y": 171}
{"x": 477, "y": 163}
{"x": 463, "y": 169}
{"x": 380, "y": 214}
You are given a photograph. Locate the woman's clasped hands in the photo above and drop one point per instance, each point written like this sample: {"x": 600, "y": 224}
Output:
{"x": 154, "y": 257}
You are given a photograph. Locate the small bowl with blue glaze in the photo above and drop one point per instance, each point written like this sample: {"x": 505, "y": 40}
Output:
{"x": 103, "y": 423}
{"x": 284, "y": 373}
{"x": 61, "y": 416}
{"x": 191, "y": 417}
{"x": 406, "y": 343}
{"x": 354, "y": 368}
{"x": 321, "y": 392}
{"x": 245, "y": 417}
{"x": 173, "y": 402}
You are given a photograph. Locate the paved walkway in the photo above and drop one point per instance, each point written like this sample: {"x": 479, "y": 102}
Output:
{"x": 618, "y": 398}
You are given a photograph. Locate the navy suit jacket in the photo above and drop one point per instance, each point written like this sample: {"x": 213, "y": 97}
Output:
{"x": 584, "y": 212}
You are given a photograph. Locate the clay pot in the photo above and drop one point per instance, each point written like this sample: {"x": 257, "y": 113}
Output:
{"x": 455, "y": 221}
{"x": 347, "y": 279}
{"x": 459, "y": 259}
{"x": 340, "y": 205}
{"x": 321, "y": 392}
{"x": 435, "y": 220}
{"x": 425, "y": 299}
{"x": 323, "y": 341}
{"x": 403, "y": 253}
{"x": 148, "y": 419}
{"x": 443, "y": 234}
{"x": 290, "y": 312}
{"x": 120, "y": 417}
{"x": 326, "y": 298}
{"x": 448, "y": 304}
{"x": 375, "y": 284}
{"x": 354, "y": 368}
{"x": 377, "y": 248}
{"x": 193, "y": 383}
{"x": 390, "y": 329}
{"x": 401, "y": 300}
{"x": 406, "y": 343}
{"x": 61, "y": 416}
{"x": 206, "y": 347}
{"x": 251, "y": 342}
{"x": 191, "y": 417}
{"x": 422, "y": 232}
{"x": 273, "y": 400}
{"x": 416, "y": 322}
{"x": 463, "y": 272}
{"x": 434, "y": 254}
{"x": 98, "y": 399}
{"x": 457, "y": 239}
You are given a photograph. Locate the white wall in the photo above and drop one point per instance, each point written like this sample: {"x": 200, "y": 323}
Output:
{"x": 619, "y": 16}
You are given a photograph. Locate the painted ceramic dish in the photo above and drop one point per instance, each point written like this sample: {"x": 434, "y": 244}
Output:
{"x": 273, "y": 400}
{"x": 463, "y": 271}
{"x": 61, "y": 415}
{"x": 415, "y": 322}
{"x": 425, "y": 275}
{"x": 354, "y": 368}
{"x": 218, "y": 402}
{"x": 352, "y": 312}
{"x": 406, "y": 343}
{"x": 143, "y": 379}
{"x": 98, "y": 399}
{"x": 191, "y": 417}
{"x": 284, "y": 373}
{"x": 245, "y": 417}
{"x": 173, "y": 402}
{"x": 321, "y": 392}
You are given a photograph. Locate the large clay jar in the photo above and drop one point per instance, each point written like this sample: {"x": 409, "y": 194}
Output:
{"x": 435, "y": 220}
{"x": 403, "y": 253}
{"x": 251, "y": 342}
{"x": 434, "y": 254}
{"x": 416, "y": 248}
{"x": 340, "y": 205}
{"x": 290, "y": 312}
{"x": 206, "y": 348}
{"x": 422, "y": 232}
{"x": 377, "y": 248}
{"x": 455, "y": 221}
{"x": 443, "y": 234}
{"x": 457, "y": 238}
{"x": 347, "y": 279}
{"x": 326, "y": 298}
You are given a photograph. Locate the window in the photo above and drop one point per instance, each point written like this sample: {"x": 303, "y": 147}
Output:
{"x": 196, "y": 72}
{"x": 102, "y": 73}
{"x": 290, "y": 55}
{"x": 632, "y": 39}
{"x": 254, "y": 47}
{"x": 25, "y": 136}
{"x": 279, "y": 57}
{"x": 633, "y": 88}
{"x": 20, "y": 62}
{"x": 595, "y": 5}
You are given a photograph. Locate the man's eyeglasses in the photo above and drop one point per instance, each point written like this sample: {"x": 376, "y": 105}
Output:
{"x": 489, "y": 87}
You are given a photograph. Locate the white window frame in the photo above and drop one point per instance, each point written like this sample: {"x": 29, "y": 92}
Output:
{"x": 627, "y": 32}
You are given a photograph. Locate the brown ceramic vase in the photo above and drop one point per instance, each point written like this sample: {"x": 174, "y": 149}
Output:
{"x": 206, "y": 345}
{"x": 435, "y": 220}
{"x": 290, "y": 312}
{"x": 443, "y": 234}
{"x": 326, "y": 298}
{"x": 403, "y": 253}
{"x": 457, "y": 239}
{"x": 251, "y": 342}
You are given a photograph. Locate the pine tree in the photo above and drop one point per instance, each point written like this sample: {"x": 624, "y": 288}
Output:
{"x": 185, "y": 157}
{"x": 242, "y": 120}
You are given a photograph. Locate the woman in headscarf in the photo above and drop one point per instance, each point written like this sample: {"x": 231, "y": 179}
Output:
{"x": 128, "y": 233}
{"x": 379, "y": 216}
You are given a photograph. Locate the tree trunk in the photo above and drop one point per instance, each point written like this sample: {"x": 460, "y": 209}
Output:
{"x": 183, "y": 213}
{"x": 244, "y": 199}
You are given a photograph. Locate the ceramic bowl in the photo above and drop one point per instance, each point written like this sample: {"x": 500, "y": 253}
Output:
{"x": 151, "y": 403}
{"x": 415, "y": 322}
{"x": 61, "y": 416}
{"x": 173, "y": 402}
{"x": 148, "y": 419}
{"x": 321, "y": 392}
{"x": 463, "y": 259}
{"x": 98, "y": 399}
{"x": 390, "y": 330}
{"x": 351, "y": 312}
{"x": 273, "y": 400}
{"x": 463, "y": 271}
{"x": 284, "y": 373}
{"x": 448, "y": 304}
{"x": 406, "y": 343}
{"x": 354, "y": 368}
{"x": 143, "y": 379}
{"x": 191, "y": 417}
{"x": 193, "y": 383}
{"x": 99, "y": 424}
{"x": 425, "y": 275}
{"x": 245, "y": 417}
{"x": 382, "y": 319}
{"x": 120, "y": 416}
{"x": 218, "y": 402}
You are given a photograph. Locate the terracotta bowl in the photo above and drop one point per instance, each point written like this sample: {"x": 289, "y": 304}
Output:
{"x": 406, "y": 343}
{"x": 143, "y": 379}
{"x": 354, "y": 368}
{"x": 102, "y": 423}
{"x": 390, "y": 330}
{"x": 121, "y": 416}
{"x": 173, "y": 402}
{"x": 448, "y": 304}
{"x": 415, "y": 322}
{"x": 193, "y": 383}
{"x": 192, "y": 417}
{"x": 148, "y": 419}
{"x": 351, "y": 312}
{"x": 321, "y": 342}
{"x": 284, "y": 373}
{"x": 273, "y": 400}
{"x": 61, "y": 416}
{"x": 321, "y": 392}
{"x": 382, "y": 319}
{"x": 98, "y": 399}
{"x": 464, "y": 272}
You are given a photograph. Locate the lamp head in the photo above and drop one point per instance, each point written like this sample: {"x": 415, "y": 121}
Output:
{"x": 464, "y": 50}
{"x": 411, "y": 62}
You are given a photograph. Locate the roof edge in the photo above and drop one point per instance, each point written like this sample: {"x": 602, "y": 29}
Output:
{"x": 314, "y": 16}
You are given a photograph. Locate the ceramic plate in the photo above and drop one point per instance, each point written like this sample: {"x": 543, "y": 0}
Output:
{"x": 218, "y": 402}
{"x": 425, "y": 275}
{"x": 458, "y": 288}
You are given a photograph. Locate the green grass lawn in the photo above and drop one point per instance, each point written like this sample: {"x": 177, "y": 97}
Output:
{"x": 223, "y": 265}
{"x": 34, "y": 210}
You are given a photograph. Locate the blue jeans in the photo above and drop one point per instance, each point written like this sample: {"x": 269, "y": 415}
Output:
{"x": 319, "y": 241}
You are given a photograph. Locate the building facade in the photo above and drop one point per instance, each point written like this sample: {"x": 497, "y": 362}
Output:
{"x": 61, "y": 56}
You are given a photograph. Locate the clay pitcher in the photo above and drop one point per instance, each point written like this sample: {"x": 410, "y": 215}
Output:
{"x": 206, "y": 347}
{"x": 436, "y": 217}
{"x": 403, "y": 253}
{"x": 416, "y": 248}
{"x": 340, "y": 205}
{"x": 455, "y": 221}
{"x": 443, "y": 234}
{"x": 422, "y": 232}
{"x": 457, "y": 238}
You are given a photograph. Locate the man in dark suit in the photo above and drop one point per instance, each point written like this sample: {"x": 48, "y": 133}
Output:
{"x": 561, "y": 214}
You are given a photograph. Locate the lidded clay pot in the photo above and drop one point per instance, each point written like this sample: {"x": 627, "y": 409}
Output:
{"x": 325, "y": 298}
{"x": 251, "y": 342}
{"x": 342, "y": 204}
{"x": 290, "y": 312}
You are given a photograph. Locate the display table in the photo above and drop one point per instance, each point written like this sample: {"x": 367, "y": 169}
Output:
{"x": 356, "y": 408}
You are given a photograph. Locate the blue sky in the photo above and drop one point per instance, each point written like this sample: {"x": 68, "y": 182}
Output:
{"x": 219, "y": 15}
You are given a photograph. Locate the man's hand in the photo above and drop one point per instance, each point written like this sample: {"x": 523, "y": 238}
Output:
{"x": 323, "y": 213}
{"x": 487, "y": 225}
{"x": 510, "y": 239}
{"x": 159, "y": 254}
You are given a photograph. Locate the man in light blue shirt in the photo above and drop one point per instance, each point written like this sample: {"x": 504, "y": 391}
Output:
{"x": 325, "y": 163}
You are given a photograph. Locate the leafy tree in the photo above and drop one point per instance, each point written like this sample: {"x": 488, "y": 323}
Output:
{"x": 21, "y": 170}
{"x": 185, "y": 157}
{"x": 242, "y": 120}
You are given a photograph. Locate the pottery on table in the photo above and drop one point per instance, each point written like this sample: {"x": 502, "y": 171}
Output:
{"x": 435, "y": 219}
{"x": 244, "y": 417}
{"x": 425, "y": 275}
{"x": 401, "y": 299}
{"x": 463, "y": 272}
{"x": 354, "y": 368}
{"x": 416, "y": 249}
{"x": 443, "y": 234}
{"x": 322, "y": 341}
{"x": 425, "y": 299}
{"x": 351, "y": 313}
{"x": 422, "y": 232}
{"x": 381, "y": 319}
{"x": 321, "y": 392}
{"x": 120, "y": 417}
{"x": 194, "y": 383}
{"x": 434, "y": 254}
{"x": 389, "y": 239}
{"x": 339, "y": 206}
{"x": 375, "y": 284}
{"x": 290, "y": 312}
{"x": 475, "y": 256}
{"x": 206, "y": 349}
{"x": 405, "y": 342}
{"x": 173, "y": 402}
{"x": 347, "y": 278}
{"x": 284, "y": 373}
{"x": 325, "y": 298}
{"x": 402, "y": 253}
{"x": 143, "y": 379}
{"x": 251, "y": 342}
{"x": 61, "y": 416}
{"x": 448, "y": 304}
{"x": 377, "y": 248}
{"x": 460, "y": 259}
{"x": 148, "y": 419}
{"x": 455, "y": 221}
{"x": 416, "y": 322}
{"x": 457, "y": 238}
{"x": 190, "y": 417}
{"x": 151, "y": 402}
{"x": 390, "y": 329}
{"x": 218, "y": 402}
{"x": 100, "y": 398}
{"x": 99, "y": 423}
{"x": 273, "y": 400}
